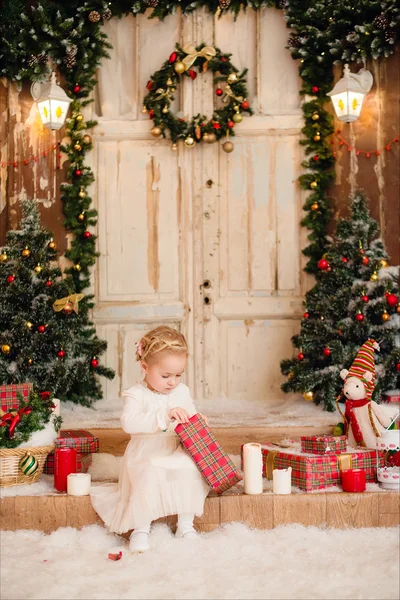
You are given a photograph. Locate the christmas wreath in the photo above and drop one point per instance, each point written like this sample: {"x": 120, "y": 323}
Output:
{"x": 231, "y": 88}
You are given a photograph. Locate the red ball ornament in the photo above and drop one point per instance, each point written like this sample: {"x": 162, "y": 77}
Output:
{"x": 398, "y": 367}
{"x": 41, "y": 328}
{"x": 365, "y": 298}
{"x": 326, "y": 352}
{"x": 315, "y": 89}
{"x": 365, "y": 260}
{"x": 77, "y": 88}
{"x": 192, "y": 74}
{"x": 360, "y": 317}
{"x": 172, "y": 58}
{"x": 323, "y": 264}
{"x": 49, "y": 283}
{"x": 315, "y": 157}
{"x": 78, "y": 172}
{"x": 219, "y": 92}
{"x": 344, "y": 259}
{"x": 11, "y": 278}
{"x": 392, "y": 299}
{"x": 245, "y": 105}
{"x": 231, "y": 124}
{"x": 87, "y": 235}
{"x": 61, "y": 354}
{"x": 306, "y": 315}
{"x": 151, "y": 114}
{"x": 94, "y": 363}
{"x": 300, "y": 356}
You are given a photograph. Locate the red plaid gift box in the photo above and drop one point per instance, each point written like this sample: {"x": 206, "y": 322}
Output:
{"x": 84, "y": 441}
{"x": 323, "y": 444}
{"x": 213, "y": 463}
{"x": 8, "y": 395}
{"x": 83, "y": 462}
{"x": 316, "y": 472}
{"x": 393, "y": 398}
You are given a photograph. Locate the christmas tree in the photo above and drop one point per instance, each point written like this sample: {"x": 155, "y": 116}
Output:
{"x": 46, "y": 336}
{"x": 355, "y": 298}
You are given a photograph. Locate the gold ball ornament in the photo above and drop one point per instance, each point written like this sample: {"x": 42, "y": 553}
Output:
{"x": 174, "y": 147}
{"x": 315, "y": 117}
{"x": 165, "y": 110}
{"x": 384, "y": 263}
{"x": 87, "y": 139}
{"x": 313, "y": 185}
{"x": 29, "y": 464}
{"x": 29, "y": 325}
{"x": 26, "y": 252}
{"x": 6, "y": 348}
{"x": 169, "y": 82}
{"x": 232, "y": 78}
{"x": 3, "y": 257}
{"x": 374, "y": 276}
{"x": 156, "y": 131}
{"x": 290, "y": 375}
{"x": 314, "y": 206}
{"x": 82, "y": 194}
{"x": 237, "y": 118}
{"x": 211, "y": 138}
{"x": 30, "y": 361}
{"x": 81, "y": 217}
{"x": 38, "y": 269}
{"x": 205, "y": 136}
{"x": 77, "y": 146}
{"x": 52, "y": 245}
{"x": 77, "y": 267}
{"x": 79, "y": 117}
{"x": 144, "y": 110}
{"x": 189, "y": 142}
{"x": 309, "y": 396}
{"x": 179, "y": 67}
{"x": 317, "y": 137}
{"x": 398, "y": 308}
{"x": 385, "y": 316}
{"x": 228, "y": 146}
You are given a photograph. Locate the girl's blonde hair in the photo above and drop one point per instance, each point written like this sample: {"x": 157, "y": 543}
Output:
{"x": 160, "y": 339}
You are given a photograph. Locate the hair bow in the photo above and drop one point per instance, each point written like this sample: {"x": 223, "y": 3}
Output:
{"x": 139, "y": 348}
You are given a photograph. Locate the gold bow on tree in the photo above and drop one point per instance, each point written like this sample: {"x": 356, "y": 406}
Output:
{"x": 208, "y": 52}
{"x": 162, "y": 94}
{"x": 230, "y": 94}
{"x": 72, "y": 299}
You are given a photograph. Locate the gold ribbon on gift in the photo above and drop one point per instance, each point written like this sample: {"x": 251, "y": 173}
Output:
{"x": 269, "y": 464}
{"x": 72, "y": 299}
{"x": 208, "y": 52}
{"x": 345, "y": 461}
{"x": 230, "y": 94}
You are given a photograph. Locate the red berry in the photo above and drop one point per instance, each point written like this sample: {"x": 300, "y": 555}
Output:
{"x": 192, "y": 74}
{"x": 11, "y": 278}
{"x": 49, "y": 283}
{"x": 78, "y": 172}
{"x": 326, "y": 352}
{"x": 365, "y": 298}
{"x": 42, "y": 328}
{"x": 219, "y": 92}
{"x": 300, "y": 356}
{"x": 323, "y": 264}
{"x": 315, "y": 89}
{"x": 77, "y": 88}
{"x": 365, "y": 260}
{"x": 87, "y": 235}
{"x": 392, "y": 299}
{"x": 94, "y": 363}
{"x": 61, "y": 354}
{"x": 231, "y": 124}
{"x": 306, "y": 315}
{"x": 345, "y": 259}
{"x": 360, "y": 317}
{"x": 245, "y": 105}
{"x": 151, "y": 114}
{"x": 172, "y": 58}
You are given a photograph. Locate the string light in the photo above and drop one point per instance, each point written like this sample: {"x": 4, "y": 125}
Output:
{"x": 358, "y": 151}
{"x": 32, "y": 159}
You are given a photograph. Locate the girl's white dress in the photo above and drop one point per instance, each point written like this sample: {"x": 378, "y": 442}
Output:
{"x": 157, "y": 476}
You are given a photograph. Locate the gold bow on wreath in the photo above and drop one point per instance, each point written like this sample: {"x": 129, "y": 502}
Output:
{"x": 208, "y": 52}
{"x": 162, "y": 94}
{"x": 72, "y": 299}
{"x": 230, "y": 94}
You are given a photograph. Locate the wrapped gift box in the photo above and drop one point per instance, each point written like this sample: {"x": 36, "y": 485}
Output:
{"x": 391, "y": 398}
{"x": 323, "y": 444}
{"x": 213, "y": 463}
{"x": 316, "y": 472}
{"x": 83, "y": 462}
{"x": 84, "y": 441}
{"x": 8, "y": 395}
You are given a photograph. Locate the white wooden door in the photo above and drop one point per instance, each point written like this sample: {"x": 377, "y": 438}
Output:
{"x": 206, "y": 241}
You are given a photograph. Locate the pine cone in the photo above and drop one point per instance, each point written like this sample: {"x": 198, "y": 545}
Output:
{"x": 152, "y": 3}
{"x": 107, "y": 14}
{"x": 390, "y": 37}
{"x": 294, "y": 42}
{"x": 33, "y": 60}
{"x": 94, "y": 16}
{"x": 281, "y": 3}
{"x": 70, "y": 61}
{"x": 42, "y": 57}
{"x": 381, "y": 22}
{"x": 224, "y": 4}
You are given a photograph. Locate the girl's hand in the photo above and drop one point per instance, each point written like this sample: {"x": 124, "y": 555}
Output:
{"x": 179, "y": 414}
{"x": 205, "y": 418}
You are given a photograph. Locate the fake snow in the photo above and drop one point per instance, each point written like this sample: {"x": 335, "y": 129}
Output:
{"x": 232, "y": 561}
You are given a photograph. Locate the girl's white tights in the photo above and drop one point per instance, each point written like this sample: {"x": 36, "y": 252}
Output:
{"x": 185, "y": 524}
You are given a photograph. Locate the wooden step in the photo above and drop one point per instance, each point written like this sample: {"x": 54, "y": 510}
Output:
{"x": 267, "y": 511}
{"x": 114, "y": 441}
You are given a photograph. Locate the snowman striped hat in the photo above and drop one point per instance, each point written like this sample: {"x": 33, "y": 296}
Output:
{"x": 364, "y": 361}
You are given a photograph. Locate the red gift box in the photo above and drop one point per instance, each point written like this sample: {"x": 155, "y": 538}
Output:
{"x": 83, "y": 462}
{"x": 213, "y": 463}
{"x": 84, "y": 441}
{"x": 8, "y": 395}
{"x": 316, "y": 472}
{"x": 323, "y": 444}
{"x": 391, "y": 398}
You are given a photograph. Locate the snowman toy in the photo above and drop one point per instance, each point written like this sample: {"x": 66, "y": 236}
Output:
{"x": 364, "y": 419}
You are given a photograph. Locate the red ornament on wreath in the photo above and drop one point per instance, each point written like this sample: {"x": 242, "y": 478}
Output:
{"x": 87, "y": 235}
{"x": 78, "y": 172}
{"x": 10, "y": 278}
{"x": 344, "y": 259}
{"x": 315, "y": 89}
{"x": 300, "y": 356}
{"x": 77, "y": 88}
{"x": 365, "y": 260}
{"x": 360, "y": 317}
{"x": 219, "y": 92}
{"x": 306, "y": 315}
{"x": 323, "y": 264}
{"x": 231, "y": 124}
{"x": 171, "y": 60}
{"x": 392, "y": 299}
{"x": 245, "y": 105}
{"x": 94, "y": 363}
{"x": 398, "y": 367}
{"x": 326, "y": 352}
{"x": 365, "y": 298}
{"x": 61, "y": 354}
{"x": 192, "y": 74}
{"x": 42, "y": 328}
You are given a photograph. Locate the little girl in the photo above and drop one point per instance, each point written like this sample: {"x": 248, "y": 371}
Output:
{"x": 157, "y": 476}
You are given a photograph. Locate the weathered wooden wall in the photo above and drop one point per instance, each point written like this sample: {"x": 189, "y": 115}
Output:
{"x": 206, "y": 241}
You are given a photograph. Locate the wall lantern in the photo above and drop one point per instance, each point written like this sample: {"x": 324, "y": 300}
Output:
{"x": 348, "y": 94}
{"x": 52, "y": 102}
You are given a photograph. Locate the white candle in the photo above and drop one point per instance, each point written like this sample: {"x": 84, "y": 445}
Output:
{"x": 252, "y": 465}
{"x": 78, "y": 484}
{"x": 57, "y": 407}
{"x": 282, "y": 479}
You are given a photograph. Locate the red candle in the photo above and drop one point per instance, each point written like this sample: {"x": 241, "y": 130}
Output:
{"x": 64, "y": 464}
{"x": 353, "y": 480}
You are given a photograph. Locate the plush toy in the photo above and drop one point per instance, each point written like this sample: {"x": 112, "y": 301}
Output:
{"x": 364, "y": 419}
